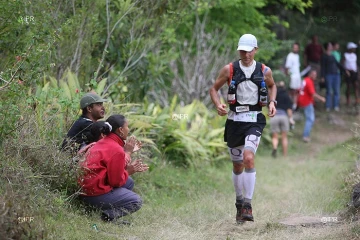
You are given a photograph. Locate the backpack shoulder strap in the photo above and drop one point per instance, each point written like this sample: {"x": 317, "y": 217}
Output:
{"x": 264, "y": 68}
{"x": 231, "y": 73}
{"x": 258, "y": 68}
{"x": 234, "y": 67}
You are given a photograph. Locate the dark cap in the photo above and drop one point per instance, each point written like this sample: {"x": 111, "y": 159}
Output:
{"x": 90, "y": 98}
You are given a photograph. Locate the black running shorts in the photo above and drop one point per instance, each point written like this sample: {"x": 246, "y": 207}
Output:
{"x": 235, "y": 132}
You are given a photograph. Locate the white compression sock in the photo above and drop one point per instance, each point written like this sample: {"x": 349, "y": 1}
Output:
{"x": 238, "y": 181}
{"x": 249, "y": 183}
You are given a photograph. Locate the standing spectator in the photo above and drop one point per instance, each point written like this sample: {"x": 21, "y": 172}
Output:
{"x": 312, "y": 57}
{"x": 280, "y": 123}
{"x": 350, "y": 64}
{"x": 330, "y": 73}
{"x": 292, "y": 68}
{"x": 306, "y": 102}
{"x": 336, "y": 53}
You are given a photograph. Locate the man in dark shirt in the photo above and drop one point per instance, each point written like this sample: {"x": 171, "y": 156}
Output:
{"x": 312, "y": 57}
{"x": 92, "y": 110}
{"x": 280, "y": 123}
{"x": 330, "y": 69}
{"x": 313, "y": 51}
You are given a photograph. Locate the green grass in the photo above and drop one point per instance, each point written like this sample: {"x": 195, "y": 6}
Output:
{"x": 199, "y": 204}
{"x": 195, "y": 203}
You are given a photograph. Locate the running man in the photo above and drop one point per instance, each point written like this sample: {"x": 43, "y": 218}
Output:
{"x": 245, "y": 121}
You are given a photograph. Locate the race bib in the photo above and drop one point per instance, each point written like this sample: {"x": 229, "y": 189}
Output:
{"x": 239, "y": 109}
{"x": 246, "y": 117}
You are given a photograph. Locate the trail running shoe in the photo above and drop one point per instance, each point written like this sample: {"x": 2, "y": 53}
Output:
{"x": 239, "y": 205}
{"x": 246, "y": 212}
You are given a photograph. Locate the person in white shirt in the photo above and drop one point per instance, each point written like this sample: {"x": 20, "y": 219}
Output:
{"x": 349, "y": 62}
{"x": 292, "y": 69}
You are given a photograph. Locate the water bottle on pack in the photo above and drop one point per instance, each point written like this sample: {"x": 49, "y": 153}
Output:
{"x": 263, "y": 94}
{"x": 231, "y": 97}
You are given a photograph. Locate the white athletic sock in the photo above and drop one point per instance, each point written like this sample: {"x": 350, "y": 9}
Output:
{"x": 249, "y": 183}
{"x": 238, "y": 181}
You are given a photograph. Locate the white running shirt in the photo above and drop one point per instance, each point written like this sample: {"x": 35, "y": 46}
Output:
{"x": 247, "y": 91}
{"x": 350, "y": 61}
{"x": 293, "y": 66}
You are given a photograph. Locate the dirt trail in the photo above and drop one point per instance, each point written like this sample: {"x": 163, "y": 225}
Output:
{"x": 332, "y": 129}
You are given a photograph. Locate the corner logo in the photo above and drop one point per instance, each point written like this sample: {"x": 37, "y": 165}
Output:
{"x": 179, "y": 116}
{"x": 26, "y": 19}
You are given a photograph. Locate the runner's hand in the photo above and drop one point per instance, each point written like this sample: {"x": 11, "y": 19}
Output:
{"x": 221, "y": 109}
{"x": 272, "y": 109}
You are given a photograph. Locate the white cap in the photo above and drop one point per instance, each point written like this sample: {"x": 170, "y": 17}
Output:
{"x": 247, "y": 42}
{"x": 351, "y": 45}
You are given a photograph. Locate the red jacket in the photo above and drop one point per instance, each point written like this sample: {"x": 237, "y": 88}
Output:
{"x": 306, "y": 94}
{"x": 104, "y": 166}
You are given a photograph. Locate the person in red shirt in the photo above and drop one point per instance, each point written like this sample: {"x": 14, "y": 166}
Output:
{"x": 306, "y": 102}
{"x": 97, "y": 130}
{"x": 106, "y": 182}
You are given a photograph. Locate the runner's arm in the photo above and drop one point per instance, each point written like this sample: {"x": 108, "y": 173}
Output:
{"x": 220, "y": 81}
{"x": 269, "y": 80}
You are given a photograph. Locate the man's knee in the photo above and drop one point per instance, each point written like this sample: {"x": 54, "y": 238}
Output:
{"x": 238, "y": 167}
{"x": 249, "y": 159}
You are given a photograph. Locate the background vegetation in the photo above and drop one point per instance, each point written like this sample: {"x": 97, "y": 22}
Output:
{"x": 156, "y": 61}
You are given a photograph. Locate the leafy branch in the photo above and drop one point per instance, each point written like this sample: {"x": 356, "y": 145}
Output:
{"x": 7, "y": 83}
{"x": 110, "y": 32}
